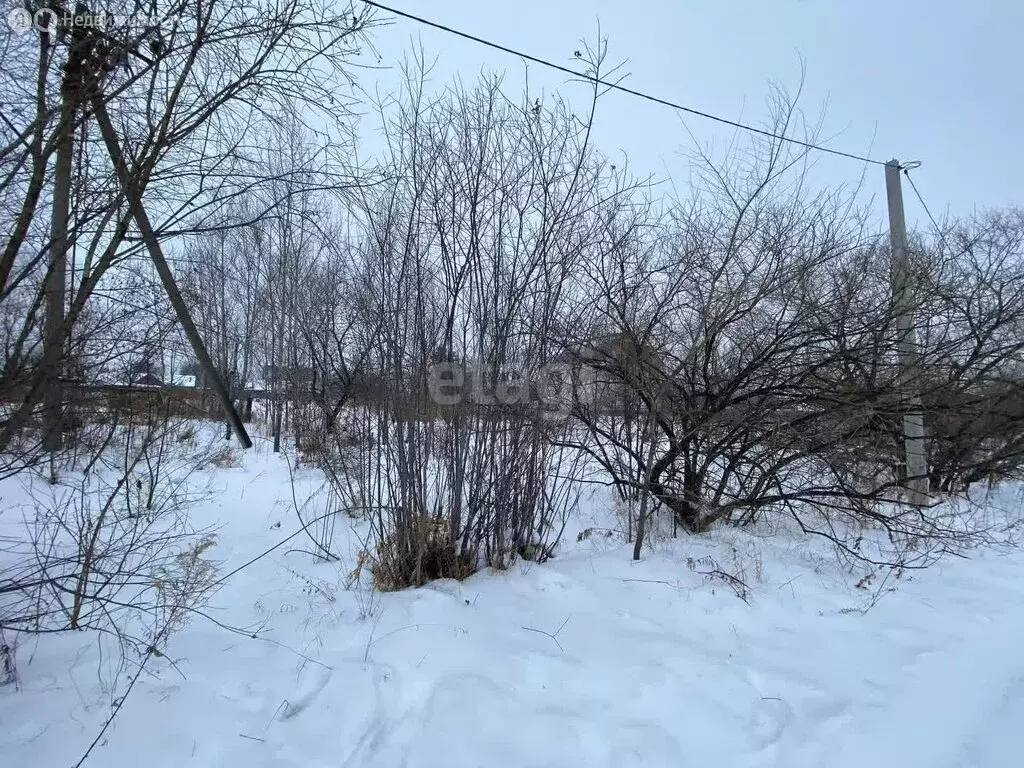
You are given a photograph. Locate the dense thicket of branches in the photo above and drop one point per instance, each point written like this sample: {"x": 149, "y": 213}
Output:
{"x": 193, "y": 100}
{"x": 727, "y": 356}
{"x": 748, "y": 335}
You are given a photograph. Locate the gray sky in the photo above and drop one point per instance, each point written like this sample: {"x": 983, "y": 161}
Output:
{"x": 940, "y": 81}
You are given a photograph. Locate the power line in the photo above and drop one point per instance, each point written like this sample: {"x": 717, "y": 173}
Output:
{"x": 938, "y": 229}
{"x": 616, "y": 86}
{"x": 942, "y": 235}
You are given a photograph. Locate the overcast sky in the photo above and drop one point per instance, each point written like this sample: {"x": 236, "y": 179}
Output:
{"x": 940, "y": 81}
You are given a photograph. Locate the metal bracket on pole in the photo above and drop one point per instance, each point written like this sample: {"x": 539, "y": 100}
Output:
{"x": 166, "y": 276}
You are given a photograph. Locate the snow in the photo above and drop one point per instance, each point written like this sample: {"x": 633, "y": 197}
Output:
{"x": 589, "y": 659}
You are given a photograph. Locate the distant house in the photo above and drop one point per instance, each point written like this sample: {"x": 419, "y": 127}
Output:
{"x": 147, "y": 380}
{"x": 274, "y": 375}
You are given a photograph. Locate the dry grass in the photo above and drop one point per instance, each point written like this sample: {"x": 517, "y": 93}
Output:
{"x": 225, "y": 458}
{"x": 432, "y": 555}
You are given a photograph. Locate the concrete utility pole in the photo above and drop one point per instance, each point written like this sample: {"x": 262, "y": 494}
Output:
{"x": 131, "y": 191}
{"x": 913, "y": 418}
{"x": 80, "y": 85}
{"x": 54, "y": 333}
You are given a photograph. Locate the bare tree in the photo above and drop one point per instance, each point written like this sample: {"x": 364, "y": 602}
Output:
{"x": 733, "y": 332}
{"x": 190, "y": 98}
{"x": 487, "y": 208}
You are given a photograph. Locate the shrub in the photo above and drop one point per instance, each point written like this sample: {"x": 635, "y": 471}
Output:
{"x": 225, "y": 458}
{"x": 429, "y": 553}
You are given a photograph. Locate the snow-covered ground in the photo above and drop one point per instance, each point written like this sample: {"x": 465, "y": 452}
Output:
{"x": 588, "y": 660}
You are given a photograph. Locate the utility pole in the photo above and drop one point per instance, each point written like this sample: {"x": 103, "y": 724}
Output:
{"x": 134, "y": 195}
{"x": 81, "y": 85}
{"x": 906, "y": 344}
{"x": 54, "y": 332}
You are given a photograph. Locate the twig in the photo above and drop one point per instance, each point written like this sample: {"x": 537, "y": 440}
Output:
{"x": 327, "y": 554}
{"x": 874, "y": 598}
{"x": 369, "y": 640}
{"x": 117, "y": 708}
{"x": 553, "y": 636}
{"x": 373, "y": 641}
{"x": 266, "y": 552}
{"x": 790, "y": 585}
{"x": 740, "y": 588}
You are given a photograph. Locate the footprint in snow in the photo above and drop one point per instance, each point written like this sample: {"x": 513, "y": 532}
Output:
{"x": 243, "y": 695}
{"x": 769, "y": 715}
{"x": 768, "y": 720}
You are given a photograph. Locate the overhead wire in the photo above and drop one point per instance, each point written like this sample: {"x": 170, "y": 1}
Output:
{"x": 906, "y": 172}
{"x": 617, "y": 86}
